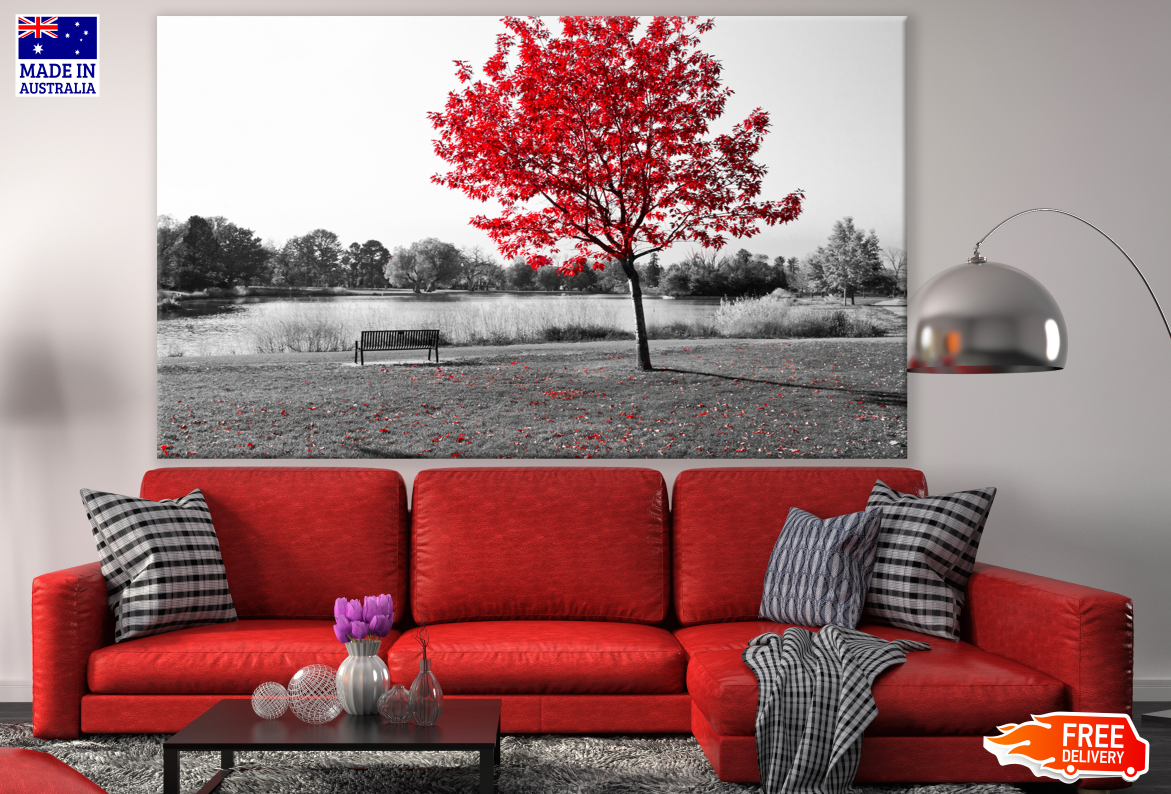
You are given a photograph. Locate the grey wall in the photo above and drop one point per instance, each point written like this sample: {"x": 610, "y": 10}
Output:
{"x": 1010, "y": 105}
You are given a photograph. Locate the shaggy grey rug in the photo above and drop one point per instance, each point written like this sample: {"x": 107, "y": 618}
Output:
{"x": 133, "y": 764}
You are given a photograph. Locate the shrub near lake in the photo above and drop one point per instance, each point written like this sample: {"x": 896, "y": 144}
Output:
{"x": 297, "y": 326}
{"x": 819, "y": 398}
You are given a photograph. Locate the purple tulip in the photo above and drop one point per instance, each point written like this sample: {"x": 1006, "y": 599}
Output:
{"x": 380, "y": 626}
{"x": 370, "y": 608}
{"x": 379, "y": 605}
{"x": 354, "y": 610}
{"x": 342, "y": 630}
{"x": 359, "y": 629}
{"x": 339, "y": 608}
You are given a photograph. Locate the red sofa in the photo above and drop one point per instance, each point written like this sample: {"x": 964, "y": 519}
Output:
{"x": 578, "y": 597}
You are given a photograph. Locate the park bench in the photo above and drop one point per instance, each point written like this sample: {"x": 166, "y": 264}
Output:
{"x": 397, "y": 340}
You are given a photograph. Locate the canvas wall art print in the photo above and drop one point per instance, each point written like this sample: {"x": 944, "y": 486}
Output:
{"x": 581, "y": 237}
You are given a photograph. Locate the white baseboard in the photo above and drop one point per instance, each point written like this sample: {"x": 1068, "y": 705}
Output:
{"x": 16, "y": 691}
{"x": 1152, "y": 689}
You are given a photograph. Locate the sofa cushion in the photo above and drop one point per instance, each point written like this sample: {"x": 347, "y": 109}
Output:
{"x": 230, "y": 658}
{"x": 161, "y": 562}
{"x": 544, "y": 657}
{"x": 926, "y": 551}
{"x": 725, "y": 522}
{"x": 550, "y": 543}
{"x": 725, "y": 636}
{"x": 294, "y": 539}
{"x": 955, "y": 689}
{"x": 820, "y": 568}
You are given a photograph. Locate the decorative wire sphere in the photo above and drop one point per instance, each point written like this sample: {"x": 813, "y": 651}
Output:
{"x": 270, "y": 700}
{"x": 395, "y": 704}
{"x": 313, "y": 694}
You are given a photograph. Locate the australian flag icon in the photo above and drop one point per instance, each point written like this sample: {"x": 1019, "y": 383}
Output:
{"x": 57, "y": 38}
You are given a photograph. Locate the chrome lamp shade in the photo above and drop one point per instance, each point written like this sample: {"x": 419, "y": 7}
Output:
{"x": 985, "y": 317}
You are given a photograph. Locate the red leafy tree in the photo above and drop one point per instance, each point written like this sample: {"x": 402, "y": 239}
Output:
{"x": 599, "y": 137}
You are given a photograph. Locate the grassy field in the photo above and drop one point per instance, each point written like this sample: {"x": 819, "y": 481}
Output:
{"x": 812, "y": 398}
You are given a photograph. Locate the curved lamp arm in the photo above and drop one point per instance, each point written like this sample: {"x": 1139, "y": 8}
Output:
{"x": 977, "y": 258}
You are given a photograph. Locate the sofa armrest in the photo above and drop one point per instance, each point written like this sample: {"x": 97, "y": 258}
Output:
{"x": 71, "y": 620}
{"x": 1082, "y": 636}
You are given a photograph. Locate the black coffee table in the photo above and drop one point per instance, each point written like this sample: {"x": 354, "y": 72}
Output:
{"x": 231, "y": 725}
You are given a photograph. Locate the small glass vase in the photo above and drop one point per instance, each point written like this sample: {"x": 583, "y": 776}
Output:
{"x": 426, "y": 695}
{"x": 362, "y": 678}
{"x": 395, "y": 705}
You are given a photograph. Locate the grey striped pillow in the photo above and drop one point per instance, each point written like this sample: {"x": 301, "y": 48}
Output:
{"x": 161, "y": 561}
{"x": 819, "y": 569}
{"x": 926, "y": 553}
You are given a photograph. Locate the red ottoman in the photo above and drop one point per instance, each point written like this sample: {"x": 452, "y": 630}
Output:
{"x": 29, "y": 772}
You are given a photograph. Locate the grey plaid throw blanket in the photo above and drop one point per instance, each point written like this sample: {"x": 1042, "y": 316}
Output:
{"x": 815, "y": 701}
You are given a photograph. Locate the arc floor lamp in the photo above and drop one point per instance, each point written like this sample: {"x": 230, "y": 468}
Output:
{"x": 987, "y": 317}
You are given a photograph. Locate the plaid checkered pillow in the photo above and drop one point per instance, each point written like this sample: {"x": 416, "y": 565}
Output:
{"x": 161, "y": 561}
{"x": 926, "y": 552}
{"x": 819, "y": 569}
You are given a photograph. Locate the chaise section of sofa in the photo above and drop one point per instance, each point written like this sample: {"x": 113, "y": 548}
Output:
{"x": 549, "y": 588}
{"x": 293, "y": 540}
{"x": 1029, "y": 645}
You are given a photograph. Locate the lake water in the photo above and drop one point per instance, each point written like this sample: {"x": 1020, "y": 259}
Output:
{"x": 251, "y": 325}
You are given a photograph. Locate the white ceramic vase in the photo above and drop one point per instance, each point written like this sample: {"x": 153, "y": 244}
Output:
{"x": 362, "y": 678}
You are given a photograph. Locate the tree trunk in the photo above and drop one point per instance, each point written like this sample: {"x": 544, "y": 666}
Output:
{"x": 644, "y": 352}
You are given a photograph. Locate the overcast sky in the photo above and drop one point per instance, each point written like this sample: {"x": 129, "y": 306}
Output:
{"x": 288, "y": 124}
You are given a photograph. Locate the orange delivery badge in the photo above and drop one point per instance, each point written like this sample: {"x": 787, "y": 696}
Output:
{"x": 1071, "y": 745}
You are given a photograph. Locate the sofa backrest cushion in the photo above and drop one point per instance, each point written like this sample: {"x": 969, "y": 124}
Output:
{"x": 294, "y": 539}
{"x": 726, "y": 522}
{"x": 547, "y": 542}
